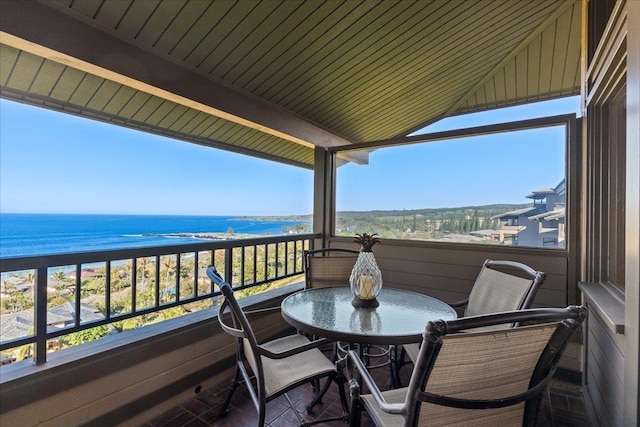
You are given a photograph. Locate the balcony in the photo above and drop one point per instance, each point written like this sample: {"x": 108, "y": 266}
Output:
{"x": 170, "y": 372}
{"x": 562, "y": 406}
{"x": 182, "y": 352}
{"x": 299, "y": 83}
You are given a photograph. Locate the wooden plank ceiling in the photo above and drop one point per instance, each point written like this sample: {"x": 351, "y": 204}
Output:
{"x": 274, "y": 78}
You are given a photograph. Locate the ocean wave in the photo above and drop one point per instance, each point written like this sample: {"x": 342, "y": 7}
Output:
{"x": 197, "y": 236}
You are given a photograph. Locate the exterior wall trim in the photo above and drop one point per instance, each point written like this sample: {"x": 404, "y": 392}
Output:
{"x": 608, "y": 302}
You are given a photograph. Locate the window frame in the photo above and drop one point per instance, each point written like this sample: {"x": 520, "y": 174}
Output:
{"x": 337, "y": 156}
{"x": 606, "y": 178}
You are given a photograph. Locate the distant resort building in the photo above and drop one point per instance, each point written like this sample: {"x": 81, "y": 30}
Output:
{"x": 21, "y": 324}
{"x": 541, "y": 225}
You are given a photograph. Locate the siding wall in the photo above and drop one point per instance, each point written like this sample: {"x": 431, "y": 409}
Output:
{"x": 604, "y": 388}
{"x": 448, "y": 273}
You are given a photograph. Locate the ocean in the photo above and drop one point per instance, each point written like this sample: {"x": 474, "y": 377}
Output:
{"x": 45, "y": 234}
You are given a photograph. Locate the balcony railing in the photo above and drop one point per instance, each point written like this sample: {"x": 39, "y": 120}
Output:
{"x": 129, "y": 284}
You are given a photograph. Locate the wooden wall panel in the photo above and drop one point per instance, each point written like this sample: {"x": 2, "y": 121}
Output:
{"x": 448, "y": 274}
{"x": 605, "y": 370}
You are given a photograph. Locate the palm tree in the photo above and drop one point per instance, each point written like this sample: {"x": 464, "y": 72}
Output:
{"x": 59, "y": 276}
{"x": 168, "y": 270}
{"x": 168, "y": 264}
{"x": 187, "y": 271}
{"x": 60, "y": 282}
{"x": 143, "y": 266}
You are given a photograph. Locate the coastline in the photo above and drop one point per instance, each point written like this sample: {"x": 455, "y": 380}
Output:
{"x": 203, "y": 236}
{"x": 21, "y": 277}
{"x": 25, "y": 235}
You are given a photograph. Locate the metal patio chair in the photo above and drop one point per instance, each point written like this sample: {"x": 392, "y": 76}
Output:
{"x": 496, "y": 289}
{"x": 478, "y": 377}
{"x": 328, "y": 267}
{"x": 278, "y": 366}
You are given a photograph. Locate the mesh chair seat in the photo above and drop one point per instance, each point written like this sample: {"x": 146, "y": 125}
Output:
{"x": 485, "y": 365}
{"x": 329, "y": 267}
{"x": 486, "y": 378}
{"x": 505, "y": 361}
{"x": 281, "y": 373}
{"x": 494, "y": 292}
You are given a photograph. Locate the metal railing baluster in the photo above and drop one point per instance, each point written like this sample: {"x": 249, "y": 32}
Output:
{"x": 266, "y": 262}
{"x": 177, "y": 297}
{"x": 286, "y": 257}
{"x": 107, "y": 289}
{"x": 255, "y": 263}
{"x": 277, "y": 260}
{"x": 242, "y": 261}
{"x": 78, "y": 296}
{"x": 196, "y": 271}
{"x": 40, "y": 321}
{"x": 134, "y": 283}
{"x": 228, "y": 266}
{"x": 157, "y": 284}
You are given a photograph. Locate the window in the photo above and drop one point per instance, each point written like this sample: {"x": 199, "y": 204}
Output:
{"x": 549, "y": 242}
{"x": 606, "y": 146}
{"x": 504, "y": 187}
{"x": 607, "y": 181}
{"x": 599, "y": 13}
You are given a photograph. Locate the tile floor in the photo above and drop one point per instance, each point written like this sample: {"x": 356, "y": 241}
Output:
{"x": 565, "y": 408}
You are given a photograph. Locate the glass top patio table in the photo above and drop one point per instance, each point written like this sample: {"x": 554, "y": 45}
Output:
{"x": 400, "y": 318}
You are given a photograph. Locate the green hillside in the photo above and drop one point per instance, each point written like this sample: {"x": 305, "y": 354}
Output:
{"x": 422, "y": 223}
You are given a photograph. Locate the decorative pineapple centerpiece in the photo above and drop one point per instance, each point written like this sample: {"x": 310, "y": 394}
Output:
{"x": 366, "y": 278}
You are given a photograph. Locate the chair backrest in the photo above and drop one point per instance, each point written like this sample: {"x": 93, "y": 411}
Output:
{"x": 247, "y": 344}
{"x": 496, "y": 289}
{"x": 328, "y": 267}
{"x": 501, "y": 372}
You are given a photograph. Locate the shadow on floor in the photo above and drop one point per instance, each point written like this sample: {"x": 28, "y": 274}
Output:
{"x": 563, "y": 406}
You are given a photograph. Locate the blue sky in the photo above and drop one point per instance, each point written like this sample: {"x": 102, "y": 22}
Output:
{"x": 58, "y": 163}
{"x": 499, "y": 168}
{"x": 483, "y": 170}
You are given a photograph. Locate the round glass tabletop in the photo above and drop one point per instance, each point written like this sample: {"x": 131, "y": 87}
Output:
{"x": 400, "y": 318}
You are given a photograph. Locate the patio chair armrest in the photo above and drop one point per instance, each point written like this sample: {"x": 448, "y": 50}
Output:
{"x": 231, "y": 330}
{"x": 391, "y": 408}
{"x": 458, "y": 304}
{"x": 292, "y": 351}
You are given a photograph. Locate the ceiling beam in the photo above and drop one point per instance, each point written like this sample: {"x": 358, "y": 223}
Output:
{"x": 44, "y": 31}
